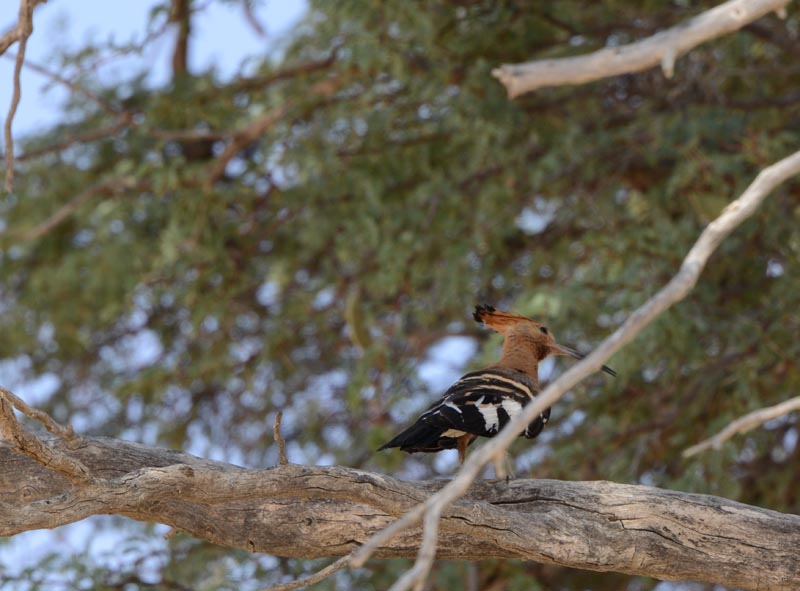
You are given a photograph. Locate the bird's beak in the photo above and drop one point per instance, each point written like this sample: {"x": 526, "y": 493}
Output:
{"x": 562, "y": 350}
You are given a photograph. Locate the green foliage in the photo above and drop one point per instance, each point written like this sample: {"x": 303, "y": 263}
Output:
{"x": 358, "y": 230}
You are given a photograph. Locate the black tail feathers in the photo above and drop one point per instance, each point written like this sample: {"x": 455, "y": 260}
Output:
{"x": 418, "y": 437}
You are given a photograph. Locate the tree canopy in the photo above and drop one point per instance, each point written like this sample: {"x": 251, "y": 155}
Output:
{"x": 183, "y": 261}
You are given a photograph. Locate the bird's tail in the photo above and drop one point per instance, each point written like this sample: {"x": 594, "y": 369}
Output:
{"x": 419, "y": 437}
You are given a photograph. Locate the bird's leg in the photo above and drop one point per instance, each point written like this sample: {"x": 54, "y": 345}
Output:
{"x": 502, "y": 466}
{"x": 463, "y": 442}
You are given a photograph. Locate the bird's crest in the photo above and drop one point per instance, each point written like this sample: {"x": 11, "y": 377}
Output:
{"x": 535, "y": 334}
{"x": 500, "y": 320}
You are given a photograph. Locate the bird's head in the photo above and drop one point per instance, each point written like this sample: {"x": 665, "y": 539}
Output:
{"x": 535, "y": 334}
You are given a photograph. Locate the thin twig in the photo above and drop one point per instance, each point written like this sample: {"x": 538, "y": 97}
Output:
{"x": 27, "y": 443}
{"x": 260, "y": 82}
{"x": 252, "y": 19}
{"x": 334, "y": 567}
{"x": 677, "y": 288}
{"x": 417, "y": 574}
{"x": 125, "y": 120}
{"x": 276, "y": 432}
{"x": 663, "y": 49}
{"x": 75, "y": 88}
{"x": 25, "y": 26}
{"x": 744, "y": 424}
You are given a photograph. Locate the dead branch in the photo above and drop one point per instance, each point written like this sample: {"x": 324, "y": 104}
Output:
{"x": 315, "y": 512}
{"x": 20, "y": 33}
{"x": 744, "y": 424}
{"x": 12, "y": 111}
{"x": 661, "y": 49}
{"x": 40, "y": 416}
{"x": 318, "y": 576}
{"x": 25, "y": 22}
{"x": 27, "y": 443}
{"x": 71, "y": 85}
{"x": 677, "y": 288}
{"x": 276, "y": 432}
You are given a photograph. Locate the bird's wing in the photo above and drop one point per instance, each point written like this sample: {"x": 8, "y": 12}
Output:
{"x": 482, "y": 402}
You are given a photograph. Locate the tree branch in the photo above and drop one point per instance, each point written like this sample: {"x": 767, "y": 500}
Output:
{"x": 20, "y": 33}
{"x": 744, "y": 424}
{"x": 73, "y": 86}
{"x": 276, "y": 433}
{"x": 262, "y": 81}
{"x": 42, "y": 417}
{"x": 17, "y": 32}
{"x": 314, "y": 512}
{"x": 318, "y": 576}
{"x": 677, "y": 288}
{"x": 124, "y": 121}
{"x": 27, "y": 443}
{"x": 181, "y": 15}
{"x": 661, "y": 49}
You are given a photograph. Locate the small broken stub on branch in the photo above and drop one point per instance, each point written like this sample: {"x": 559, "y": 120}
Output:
{"x": 668, "y": 63}
{"x": 276, "y": 432}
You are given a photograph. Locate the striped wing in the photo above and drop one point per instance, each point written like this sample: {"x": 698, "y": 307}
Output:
{"x": 480, "y": 403}
{"x": 483, "y": 402}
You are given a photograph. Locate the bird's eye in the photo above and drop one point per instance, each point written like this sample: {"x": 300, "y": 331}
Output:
{"x": 543, "y": 329}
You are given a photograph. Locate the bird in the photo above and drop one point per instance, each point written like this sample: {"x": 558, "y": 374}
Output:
{"x": 482, "y": 402}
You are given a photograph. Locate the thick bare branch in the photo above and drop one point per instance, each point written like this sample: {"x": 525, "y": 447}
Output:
{"x": 661, "y": 49}
{"x": 744, "y": 424}
{"x": 677, "y": 288}
{"x": 315, "y": 512}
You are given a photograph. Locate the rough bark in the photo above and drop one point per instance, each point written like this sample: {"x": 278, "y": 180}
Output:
{"x": 310, "y": 512}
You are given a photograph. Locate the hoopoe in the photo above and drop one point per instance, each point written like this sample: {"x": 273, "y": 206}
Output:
{"x": 483, "y": 401}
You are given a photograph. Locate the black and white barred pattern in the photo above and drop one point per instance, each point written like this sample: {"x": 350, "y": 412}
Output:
{"x": 480, "y": 403}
